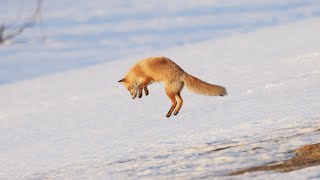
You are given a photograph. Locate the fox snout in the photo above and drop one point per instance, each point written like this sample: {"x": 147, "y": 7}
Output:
{"x": 133, "y": 94}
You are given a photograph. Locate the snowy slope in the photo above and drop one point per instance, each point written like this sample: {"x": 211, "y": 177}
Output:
{"x": 83, "y": 124}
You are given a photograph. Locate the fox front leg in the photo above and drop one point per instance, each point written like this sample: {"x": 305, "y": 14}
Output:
{"x": 139, "y": 93}
{"x": 143, "y": 86}
{"x": 146, "y": 92}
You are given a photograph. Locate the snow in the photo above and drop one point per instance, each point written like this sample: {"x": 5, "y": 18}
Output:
{"x": 82, "y": 123}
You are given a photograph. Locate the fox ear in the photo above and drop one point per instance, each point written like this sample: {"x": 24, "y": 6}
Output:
{"x": 122, "y": 80}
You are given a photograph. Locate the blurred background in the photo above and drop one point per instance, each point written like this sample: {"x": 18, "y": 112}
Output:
{"x": 39, "y": 37}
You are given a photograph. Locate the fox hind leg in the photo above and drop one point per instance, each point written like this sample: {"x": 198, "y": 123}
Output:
{"x": 179, "y": 102}
{"x": 172, "y": 97}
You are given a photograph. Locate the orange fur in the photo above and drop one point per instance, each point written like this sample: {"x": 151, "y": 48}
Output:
{"x": 162, "y": 69}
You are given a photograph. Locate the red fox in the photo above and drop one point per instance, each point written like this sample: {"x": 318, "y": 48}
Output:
{"x": 162, "y": 69}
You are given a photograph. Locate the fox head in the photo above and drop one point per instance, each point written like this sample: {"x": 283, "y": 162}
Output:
{"x": 131, "y": 87}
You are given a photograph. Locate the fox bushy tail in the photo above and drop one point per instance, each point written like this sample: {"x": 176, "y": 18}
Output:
{"x": 200, "y": 87}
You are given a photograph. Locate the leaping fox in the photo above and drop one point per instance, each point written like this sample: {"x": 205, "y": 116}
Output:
{"x": 162, "y": 69}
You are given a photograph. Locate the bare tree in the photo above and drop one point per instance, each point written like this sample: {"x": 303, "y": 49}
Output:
{"x": 11, "y": 31}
